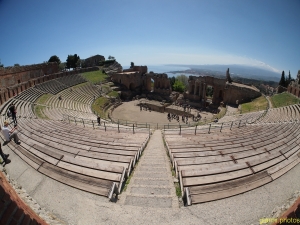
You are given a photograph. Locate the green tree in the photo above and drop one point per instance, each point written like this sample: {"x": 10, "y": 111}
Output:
{"x": 131, "y": 64}
{"x": 111, "y": 57}
{"x": 178, "y": 86}
{"x": 62, "y": 66}
{"x": 183, "y": 79}
{"x": 72, "y": 61}
{"x": 172, "y": 81}
{"x": 54, "y": 58}
{"x": 282, "y": 80}
{"x": 1, "y": 65}
{"x": 16, "y": 64}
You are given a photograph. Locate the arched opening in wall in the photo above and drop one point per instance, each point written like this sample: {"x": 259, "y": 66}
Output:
{"x": 120, "y": 81}
{"x": 221, "y": 95}
{"x": 295, "y": 91}
{"x": 192, "y": 89}
{"x": 131, "y": 87}
{"x": 197, "y": 90}
{"x": 152, "y": 84}
{"x": 209, "y": 91}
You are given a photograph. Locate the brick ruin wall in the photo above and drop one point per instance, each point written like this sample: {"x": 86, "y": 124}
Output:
{"x": 137, "y": 79}
{"x": 223, "y": 91}
{"x": 14, "y": 80}
{"x": 294, "y": 87}
{"x": 234, "y": 93}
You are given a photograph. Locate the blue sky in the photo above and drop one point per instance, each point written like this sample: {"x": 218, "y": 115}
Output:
{"x": 263, "y": 33}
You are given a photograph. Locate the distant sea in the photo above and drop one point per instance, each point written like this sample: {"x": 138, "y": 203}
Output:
{"x": 166, "y": 69}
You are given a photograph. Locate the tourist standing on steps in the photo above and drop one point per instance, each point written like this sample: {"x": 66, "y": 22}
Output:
{"x": 4, "y": 156}
{"x": 13, "y": 112}
{"x": 10, "y": 134}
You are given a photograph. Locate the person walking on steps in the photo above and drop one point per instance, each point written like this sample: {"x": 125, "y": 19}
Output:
{"x": 4, "y": 156}
{"x": 13, "y": 112}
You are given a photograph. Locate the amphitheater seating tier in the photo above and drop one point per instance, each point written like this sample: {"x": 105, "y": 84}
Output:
{"x": 214, "y": 166}
{"x": 92, "y": 160}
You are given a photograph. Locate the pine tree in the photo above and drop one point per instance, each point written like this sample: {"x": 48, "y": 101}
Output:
{"x": 282, "y": 80}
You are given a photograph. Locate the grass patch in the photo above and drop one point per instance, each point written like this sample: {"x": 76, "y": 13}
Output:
{"x": 113, "y": 94}
{"x": 257, "y": 104}
{"x": 98, "y": 106}
{"x": 38, "y": 109}
{"x": 43, "y": 99}
{"x": 178, "y": 190}
{"x": 284, "y": 99}
{"x": 221, "y": 113}
{"x": 95, "y": 77}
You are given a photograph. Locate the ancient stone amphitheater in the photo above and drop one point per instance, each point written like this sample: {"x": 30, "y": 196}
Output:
{"x": 232, "y": 172}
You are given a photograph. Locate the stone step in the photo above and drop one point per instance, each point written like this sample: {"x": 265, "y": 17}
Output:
{"x": 153, "y": 169}
{"x": 152, "y": 191}
{"x": 151, "y": 175}
{"x": 150, "y": 182}
{"x": 151, "y": 202}
{"x": 154, "y": 164}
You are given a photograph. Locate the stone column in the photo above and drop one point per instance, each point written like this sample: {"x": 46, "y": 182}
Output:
{"x": 204, "y": 94}
{"x": 200, "y": 89}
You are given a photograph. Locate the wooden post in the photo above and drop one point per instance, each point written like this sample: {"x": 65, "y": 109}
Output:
{"x": 93, "y": 124}
{"x": 221, "y": 127}
{"x": 104, "y": 126}
{"x": 195, "y": 129}
{"x": 133, "y": 127}
{"x": 231, "y": 125}
{"x": 179, "y": 129}
{"x": 209, "y": 128}
{"x": 75, "y": 120}
{"x": 118, "y": 127}
{"x": 239, "y": 124}
{"x": 83, "y": 123}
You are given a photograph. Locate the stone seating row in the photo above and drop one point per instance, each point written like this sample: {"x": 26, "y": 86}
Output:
{"x": 210, "y": 170}
{"x": 89, "y": 90}
{"x": 249, "y": 117}
{"x": 52, "y": 87}
{"x": 96, "y": 162}
{"x": 71, "y": 80}
{"x": 58, "y": 114}
{"x": 282, "y": 114}
{"x": 13, "y": 210}
{"x": 238, "y": 147}
{"x": 30, "y": 95}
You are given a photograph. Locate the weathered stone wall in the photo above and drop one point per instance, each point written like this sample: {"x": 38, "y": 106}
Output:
{"x": 281, "y": 89}
{"x": 223, "y": 90}
{"x": 137, "y": 79}
{"x": 93, "y": 60}
{"x": 10, "y": 76}
{"x": 198, "y": 86}
{"x": 294, "y": 87}
{"x": 10, "y": 91}
{"x": 234, "y": 93}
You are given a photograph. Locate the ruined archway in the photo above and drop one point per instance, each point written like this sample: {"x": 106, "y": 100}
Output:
{"x": 131, "y": 87}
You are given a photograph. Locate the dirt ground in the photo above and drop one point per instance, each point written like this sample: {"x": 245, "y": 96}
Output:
{"x": 130, "y": 112}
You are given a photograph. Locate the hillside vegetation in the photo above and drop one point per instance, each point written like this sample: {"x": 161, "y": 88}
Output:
{"x": 95, "y": 77}
{"x": 284, "y": 99}
{"x": 257, "y": 104}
